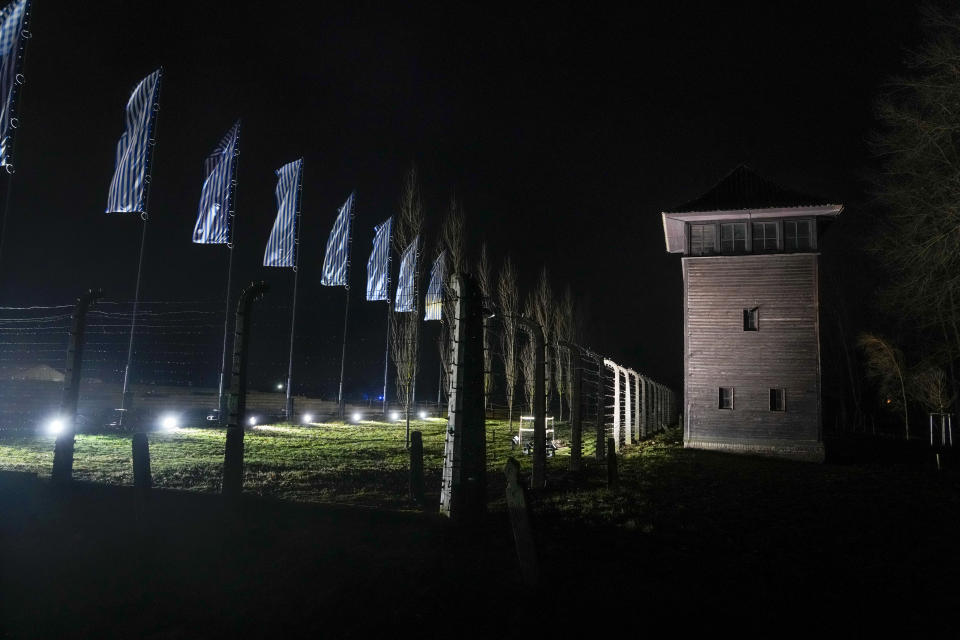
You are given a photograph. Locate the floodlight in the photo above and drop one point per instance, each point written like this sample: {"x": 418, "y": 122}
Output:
{"x": 279, "y": 386}
{"x": 252, "y": 421}
{"x": 423, "y": 415}
{"x": 170, "y": 422}
{"x": 55, "y": 426}
{"x": 357, "y": 417}
{"x": 307, "y": 418}
{"x": 394, "y": 415}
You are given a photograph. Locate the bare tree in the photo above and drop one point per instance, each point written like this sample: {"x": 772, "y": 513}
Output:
{"x": 929, "y": 387}
{"x": 508, "y": 295}
{"x": 885, "y": 364}
{"x": 542, "y": 309}
{"x": 563, "y": 331}
{"x": 404, "y": 327}
{"x": 486, "y": 289}
{"x": 528, "y": 358}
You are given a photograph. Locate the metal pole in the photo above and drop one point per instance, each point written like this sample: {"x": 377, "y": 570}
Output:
{"x": 346, "y": 313}
{"x": 13, "y": 120}
{"x": 288, "y": 409}
{"x": 221, "y": 404}
{"x": 343, "y": 351}
{"x": 148, "y": 175}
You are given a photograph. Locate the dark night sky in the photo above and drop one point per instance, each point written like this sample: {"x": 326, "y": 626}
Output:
{"x": 564, "y": 131}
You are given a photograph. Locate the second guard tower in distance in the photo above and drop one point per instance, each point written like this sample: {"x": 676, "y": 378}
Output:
{"x": 751, "y": 329}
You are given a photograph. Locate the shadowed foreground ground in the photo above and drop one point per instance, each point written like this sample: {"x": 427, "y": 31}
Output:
{"x": 693, "y": 540}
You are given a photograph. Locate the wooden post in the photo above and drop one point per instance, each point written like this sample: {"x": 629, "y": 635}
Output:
{"x": 416, "y": 468}
{"x": 63, "y": 447}
{"x": 233, "y": 453}
{"x": 141, "y": 462}
{"x": 520, "y": 522}
{"x": 613, "y": 481}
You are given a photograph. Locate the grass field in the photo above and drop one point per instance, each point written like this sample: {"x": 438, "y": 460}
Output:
{"x": 363, "y": 463}
{"x": 690, "y": 539}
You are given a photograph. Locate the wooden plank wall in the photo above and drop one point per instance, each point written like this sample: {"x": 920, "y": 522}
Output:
{"x": 783, "y": 353}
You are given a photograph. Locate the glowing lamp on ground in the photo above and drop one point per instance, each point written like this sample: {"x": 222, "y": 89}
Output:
{"x": 170, "y": 422}
{"x": 55, "y": 426}
{"x": 357, "y": 417}
{"x": 279, "y": 386}
{"x": 307, "y": 418}
{"x": 423, "y": 415}
{"x": 252, "y": 421}
{"x": 394, "y": 416}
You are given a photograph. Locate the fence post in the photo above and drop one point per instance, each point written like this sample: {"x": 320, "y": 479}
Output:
{"x": 416, "y": 468}
{"x": 520, "y": 521}
{"x": 141, "y": 462}
{"x": 613, "y": 479}
{"x": 600, "y": 447}
{"x": 576, "y": 406}
{"x": 627, "y": 407}
{"x": 463, "y": 492}
{"x": 63, "y": 447}
{"x": 233, "y": 453}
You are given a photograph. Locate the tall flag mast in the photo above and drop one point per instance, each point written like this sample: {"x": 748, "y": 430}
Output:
{"x": 378, "y": 286}
{"x": 336, "y": 273}
{"x": 14, "y": 33}
{"x": 283, "y": 245}
{"x": 130, "y": 186}
{"x": 216, "y": 222}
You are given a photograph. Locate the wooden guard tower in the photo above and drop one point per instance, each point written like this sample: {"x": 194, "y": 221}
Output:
{"x": 751, "y": 329}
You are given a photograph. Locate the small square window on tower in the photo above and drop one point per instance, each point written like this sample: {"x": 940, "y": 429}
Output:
{"x": 751, "y": 319}
{"x": 726, "y": 398}
{"x": 777, "y": 400}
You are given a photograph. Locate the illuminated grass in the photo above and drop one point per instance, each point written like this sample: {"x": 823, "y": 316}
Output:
{"x": 363, "y": 463}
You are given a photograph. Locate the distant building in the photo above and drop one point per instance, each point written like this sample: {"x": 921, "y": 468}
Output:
{"x": 751, "y": 332}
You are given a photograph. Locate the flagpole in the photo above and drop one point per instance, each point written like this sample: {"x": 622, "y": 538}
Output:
{"x": 148, "y": 176}
{"x": 17, "y": 91}
{"x": 346, "y": 313}
{"x": 221, "y": 405}
{"x": 293, "y": 316}
{"x": 412, "y": 392}
{"x": 386, "y": 352}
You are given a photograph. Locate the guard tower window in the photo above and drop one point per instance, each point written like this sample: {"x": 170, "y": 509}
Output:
{"x": 703, "y": 239}
{"x": 764, "y": 237}
{"x": 751, "y": 318}
{"x": 733, "y": 237}
{"x": 726, "y": 398}
{"x": 777, "y": 400}
{"x": 797, "y": 235}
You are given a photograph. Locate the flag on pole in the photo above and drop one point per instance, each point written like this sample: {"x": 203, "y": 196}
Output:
{"x": 216, "y": 196}
{"x": 281, "y": 247}
{"x": 131, "y": 174}
{"x": 406, "y": 283}
{"x": 438, "y": 276}
{"x": 336, "y": 262}
{"x": 378, "y": 265}
{"x": 14, "y": 20}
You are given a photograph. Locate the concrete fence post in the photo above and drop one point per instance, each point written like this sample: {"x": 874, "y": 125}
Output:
{"x": 236, "y": 417}
{"x": 63, "y": 447}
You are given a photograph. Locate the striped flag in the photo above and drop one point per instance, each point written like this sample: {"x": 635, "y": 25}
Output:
{"x": 216, "y": 197}
{"x": 336, "y": 262}
{"x": 438, "y": 275}
{"x": 282, "y": 245}
{"x": 378, "y": 265}
{"x": 131, "y": 174}
{"x": 406, "y": 296}
{"x": 14, "y": 22}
